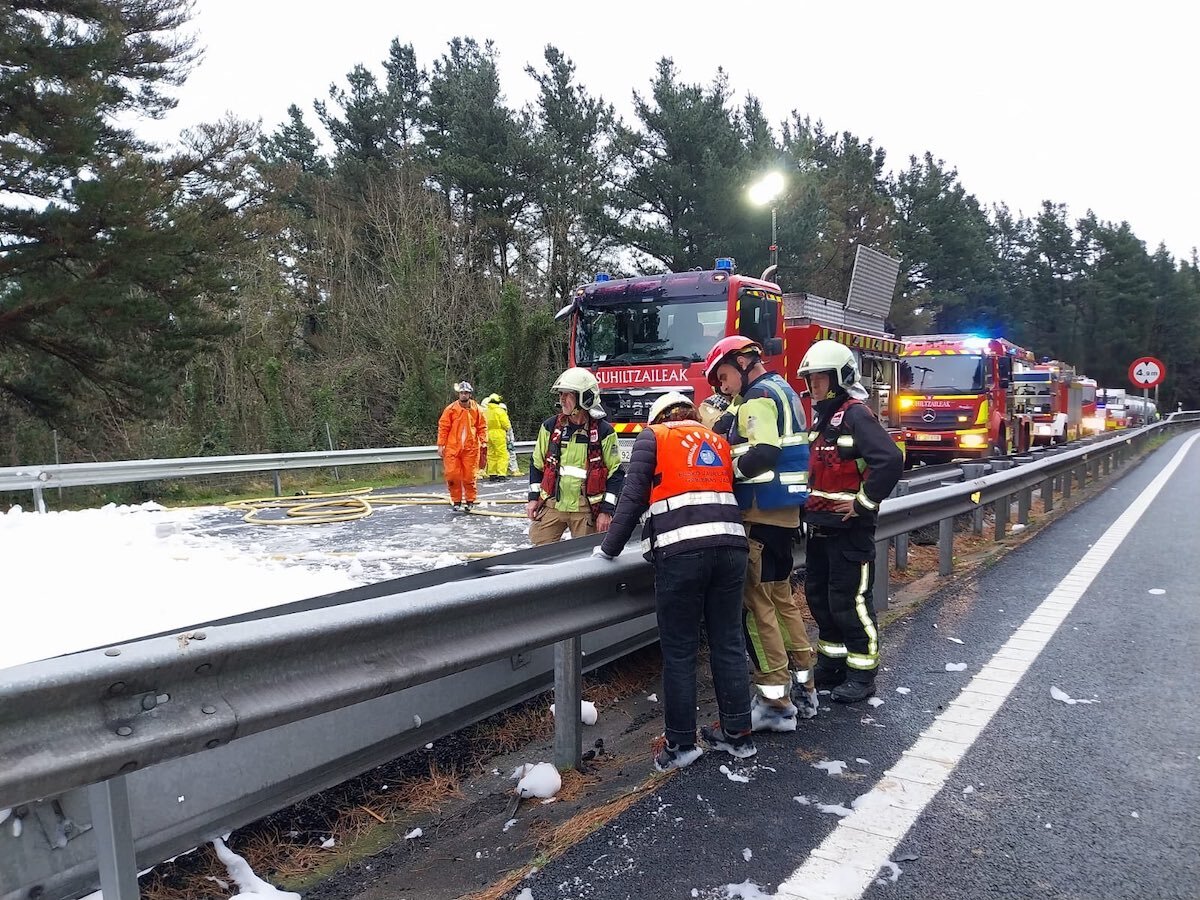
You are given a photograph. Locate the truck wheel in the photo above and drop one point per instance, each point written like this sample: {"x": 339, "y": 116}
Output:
{"x": 999, "y": 447}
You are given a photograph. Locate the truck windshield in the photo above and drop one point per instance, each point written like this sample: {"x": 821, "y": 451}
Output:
{"x": 943, "y": 374}
{"x": 647, "y": 331}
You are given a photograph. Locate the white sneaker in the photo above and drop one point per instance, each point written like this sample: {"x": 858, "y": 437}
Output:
{"x": 766, "y": 716}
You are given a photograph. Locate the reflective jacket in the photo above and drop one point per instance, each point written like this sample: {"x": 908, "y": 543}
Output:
{"x": 462, "y": 427}
{"x": 682, "y": 474}
{"x": 853, "y": 458}
{"x": 770, "y": 418}
{"x": 568, "y": 461}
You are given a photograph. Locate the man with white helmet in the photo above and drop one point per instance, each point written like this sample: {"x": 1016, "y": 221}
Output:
{"x": 462, "y": 445}
{"x": 575, "y": 475}
{"x": 682, "y": 474}
{"x": 853, "y": 467}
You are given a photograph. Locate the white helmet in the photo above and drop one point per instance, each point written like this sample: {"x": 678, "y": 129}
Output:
{"x": 464, "y": 386}
{"x": 585, "y": 386}
{"x": 830, "y": 356}
{"x": 665, "y": 403}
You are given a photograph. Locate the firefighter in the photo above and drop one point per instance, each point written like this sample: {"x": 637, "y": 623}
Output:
{"x": 682, "y": 474}
{"x": 498, "y": 428}
{"x": 766, "y": 426}
{"x": 575, "y": 475}
{"x": 854, "y": 466}
{"x": 462, "y": 445}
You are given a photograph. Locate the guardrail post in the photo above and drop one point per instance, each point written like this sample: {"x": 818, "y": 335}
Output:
{"x": 278, "y": 484}
{"x": 1001, "y": 505}
{"x": 568, "y": 692}
{"x": 1107, "y": 463}
{"x": 879, "y": 590}
{"x": 971, "y": 471}
{"x": 109, "y": 802}
{"x": 902, "y": 490}
{"x": 1047, "y": 492}
{"x": 1067, "y": 477}
{"x": 39, "y": 501}
{"x": 946, "y": 546}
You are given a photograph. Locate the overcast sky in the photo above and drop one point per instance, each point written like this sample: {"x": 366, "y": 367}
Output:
{"x": 1088, "y": 104}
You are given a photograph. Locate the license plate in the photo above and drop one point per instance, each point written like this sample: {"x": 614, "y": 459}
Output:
{"x": 626, "y": 448}
{"x": 927, "y": 437}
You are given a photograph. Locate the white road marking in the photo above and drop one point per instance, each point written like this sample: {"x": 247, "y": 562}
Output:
{"x": 845, "y": 864}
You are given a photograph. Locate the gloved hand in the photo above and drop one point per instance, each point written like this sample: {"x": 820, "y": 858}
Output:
{"x": 599, "y": 551}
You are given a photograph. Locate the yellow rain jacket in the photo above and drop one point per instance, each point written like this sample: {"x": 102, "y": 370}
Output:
{"x": 498, "y": 426}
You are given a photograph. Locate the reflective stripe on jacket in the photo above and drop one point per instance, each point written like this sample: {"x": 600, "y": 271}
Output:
{"x": 771, "y": 413}
{"x": 691, "y": 494}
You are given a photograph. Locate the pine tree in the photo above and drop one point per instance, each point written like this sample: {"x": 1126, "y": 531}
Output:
{"x": 113, "y": 260}
{"x": 688, "y": 170}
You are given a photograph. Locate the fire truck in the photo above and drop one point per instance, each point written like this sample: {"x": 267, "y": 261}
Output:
{"x": 1056, "y": 399}
{"x": 958, "y": 397}
{"x": 647, "y": 335}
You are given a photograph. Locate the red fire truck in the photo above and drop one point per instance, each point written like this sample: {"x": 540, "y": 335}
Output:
{"x": 647, "y": 335}
{"x": 1056, "y": 399}
{"x": 958, "y": 397}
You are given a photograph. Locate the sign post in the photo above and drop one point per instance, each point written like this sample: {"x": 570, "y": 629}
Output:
{"x": 1147, "y": 372}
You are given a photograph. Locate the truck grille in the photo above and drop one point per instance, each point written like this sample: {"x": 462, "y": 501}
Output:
{"x": 634, "y": 405}
{"x": 934, "y": 419}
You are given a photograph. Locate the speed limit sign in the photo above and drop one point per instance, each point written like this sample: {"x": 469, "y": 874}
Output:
{"x": 1147, "y": 372}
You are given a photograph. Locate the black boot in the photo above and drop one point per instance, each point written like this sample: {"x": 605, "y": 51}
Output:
{"x": 829, "y": 672}
{"x": 855, "y": 688}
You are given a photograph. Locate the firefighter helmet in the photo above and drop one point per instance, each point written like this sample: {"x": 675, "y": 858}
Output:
{"x": 461, "y": 386}
{"x": 665, "y": 404}
{"x": 832, "y": 357}
{"x": 585, "y": 386}
{"x": 723, "y": 351}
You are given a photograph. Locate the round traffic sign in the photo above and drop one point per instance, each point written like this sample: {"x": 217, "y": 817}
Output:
{"x": 1147, "y": 372}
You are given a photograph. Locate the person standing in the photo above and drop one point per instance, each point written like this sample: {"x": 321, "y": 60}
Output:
{"x": 682, "y": 474}
{"x": 498, "y": 428}
{"x": 854, "y": 467}
{"x": 462, "y": 445}
{"x": 766, "y": 427}
{"x": 575, "y": 475}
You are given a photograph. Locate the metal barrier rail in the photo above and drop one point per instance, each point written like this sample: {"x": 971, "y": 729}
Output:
{"x": 39, "y": 478}
{"x": 91, "y": 718}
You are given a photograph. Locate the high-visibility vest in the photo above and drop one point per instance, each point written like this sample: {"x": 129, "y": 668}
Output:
{"x": 786, "y": 484}
{"x": 691, "y": 495}
{"x": 838, "y": 469}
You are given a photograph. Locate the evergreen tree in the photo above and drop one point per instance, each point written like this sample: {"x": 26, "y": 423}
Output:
{"x": 687, "y": 173}
{"x": 846, "y": 199}
{"x": 574, "y": 195}
{"x": 948, "y": 264}
{"x": 479, "y": 152}
{"x": 113, "y": 262}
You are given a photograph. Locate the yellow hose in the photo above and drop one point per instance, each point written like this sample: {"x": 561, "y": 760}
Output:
{"x": 347, "y": 506}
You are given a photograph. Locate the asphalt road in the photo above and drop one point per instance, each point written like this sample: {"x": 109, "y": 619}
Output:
{"x": 1050, "y": 800}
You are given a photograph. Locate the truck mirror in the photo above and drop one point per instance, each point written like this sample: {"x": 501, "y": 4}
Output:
{"x": 773, "y": 346}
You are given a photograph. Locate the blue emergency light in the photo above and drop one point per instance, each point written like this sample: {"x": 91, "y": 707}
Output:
{"x": 726, "y": 264}
{"x": 602, "y": 276}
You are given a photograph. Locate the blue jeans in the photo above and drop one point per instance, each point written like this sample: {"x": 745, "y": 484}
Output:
{"x": 690, "y": 587}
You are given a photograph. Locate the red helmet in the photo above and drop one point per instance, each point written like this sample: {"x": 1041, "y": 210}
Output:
{"x": 725, "y": 348}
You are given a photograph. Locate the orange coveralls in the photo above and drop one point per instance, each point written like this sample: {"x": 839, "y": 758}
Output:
{"x": 462, "y": 431}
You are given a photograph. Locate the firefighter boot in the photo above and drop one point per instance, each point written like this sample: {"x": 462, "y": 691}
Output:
{"x": 829, "y": 672}
{"x": 857, "y": 686}
{"x": 767, "y": 715}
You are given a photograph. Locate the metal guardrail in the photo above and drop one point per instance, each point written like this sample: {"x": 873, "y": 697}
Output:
{"x": 38, "y": 478}
{"x": 93, "y": 718}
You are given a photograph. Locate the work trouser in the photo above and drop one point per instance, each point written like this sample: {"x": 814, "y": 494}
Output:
{"x": 690, "y": 587}
{"x": 554, "y": 523}
{"x": 497, "y": 455}
{"x": 460, "y": 468}
{"x": 837, "y": 586}
{"x": 776, "y": 634}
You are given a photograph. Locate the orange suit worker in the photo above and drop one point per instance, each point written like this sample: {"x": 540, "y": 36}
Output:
{"x": 462, "y": 444}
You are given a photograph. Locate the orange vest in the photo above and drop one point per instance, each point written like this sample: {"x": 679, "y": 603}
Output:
{"x": 689, "y": 458}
